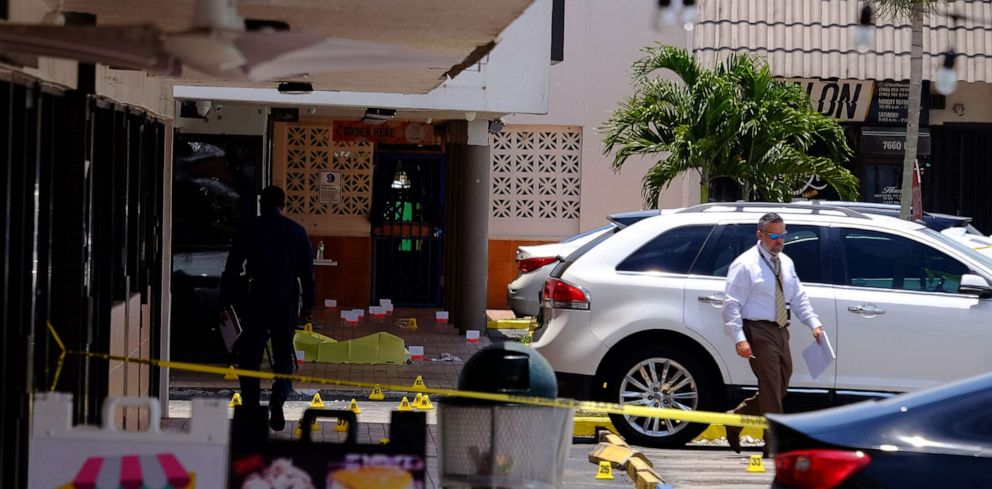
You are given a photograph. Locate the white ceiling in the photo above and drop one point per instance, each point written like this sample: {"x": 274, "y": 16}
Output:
{"x": 451, "y": 30}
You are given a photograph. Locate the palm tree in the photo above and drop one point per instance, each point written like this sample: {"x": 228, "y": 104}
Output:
{"x": 735, "y": 121}
{"x": 914, "y": 10}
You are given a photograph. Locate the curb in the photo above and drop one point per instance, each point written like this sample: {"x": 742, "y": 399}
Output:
{"x": 717, "y": 432}
{"x": 588, "y": 426}
{"x": 509, "y": 323}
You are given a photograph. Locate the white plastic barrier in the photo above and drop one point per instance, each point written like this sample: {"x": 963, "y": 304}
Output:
{"x": 63, "y": 455}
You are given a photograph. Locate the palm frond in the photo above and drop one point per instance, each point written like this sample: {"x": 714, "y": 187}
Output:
{"x": 735, "y": 121}
{"x": 676, "y": 60}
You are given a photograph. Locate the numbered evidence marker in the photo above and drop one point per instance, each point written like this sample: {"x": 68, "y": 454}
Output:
{"x": 472, "y": 336}
{"x": 353, "y": 407}
{"x": 605, "y": 470}
{"x": 418, "y": 385}
{"x": 404, "y": 405}
{"x": 755, "y": 464}
{"x": 341, "y": 426}
{"x": 376, "y": 394}
{"x": 425, "y": 403}
{"x": 386, "y": 305}
{"x": 317, "y": 402}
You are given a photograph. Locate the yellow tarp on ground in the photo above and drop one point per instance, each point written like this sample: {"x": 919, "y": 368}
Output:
{"x": 374, "y": 348}
{"x": 307, "y": 341}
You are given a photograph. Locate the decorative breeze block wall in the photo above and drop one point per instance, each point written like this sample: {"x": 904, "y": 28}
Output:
{"x": 536, "y": 173}
{"x": 310, "y": 150}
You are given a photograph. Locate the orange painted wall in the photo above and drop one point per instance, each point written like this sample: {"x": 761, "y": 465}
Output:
{"x": 350, "y": 282}
{"x": 503, "y": 269}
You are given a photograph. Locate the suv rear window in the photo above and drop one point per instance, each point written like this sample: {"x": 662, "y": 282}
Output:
{"x": 671, "y": 252}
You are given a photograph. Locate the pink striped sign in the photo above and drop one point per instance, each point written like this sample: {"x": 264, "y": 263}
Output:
{"x": 86, "y": 477}
{"x": 162, "y": 471}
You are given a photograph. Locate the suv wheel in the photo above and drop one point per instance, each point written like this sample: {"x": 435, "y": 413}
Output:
{"x": 660, "y": 376}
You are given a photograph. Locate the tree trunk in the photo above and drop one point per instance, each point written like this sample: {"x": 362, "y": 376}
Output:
{"x": 704, "y": 186}
{"x": 913, "y": 122}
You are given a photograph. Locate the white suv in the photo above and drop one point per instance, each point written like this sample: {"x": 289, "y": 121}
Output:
{"x": 635, "y": 318}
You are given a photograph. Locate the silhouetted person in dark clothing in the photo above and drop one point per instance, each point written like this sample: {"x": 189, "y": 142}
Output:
{"x": 275, "y": 254}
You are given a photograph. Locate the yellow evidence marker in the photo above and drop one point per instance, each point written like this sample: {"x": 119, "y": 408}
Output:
{"x": 317, "y": 402}
{"x": 341, "y": 426}
{"x": 404, "y": 405}
{"x": 235, "y": 400}
{"x": 605, "y": 470}
{"x": 230, "y": 375}
{"x": 418, "y": 384}
{"x": 353, "y": 407}
{"x": 376, "y": 394}
{"x": 755, "y": 464}
{"x": 425, "y": 403}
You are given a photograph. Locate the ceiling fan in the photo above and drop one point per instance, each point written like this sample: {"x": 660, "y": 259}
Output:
{"x": 218, "y": 44}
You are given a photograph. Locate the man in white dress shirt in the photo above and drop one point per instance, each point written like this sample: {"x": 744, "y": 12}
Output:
{"x": 762, "y": 290}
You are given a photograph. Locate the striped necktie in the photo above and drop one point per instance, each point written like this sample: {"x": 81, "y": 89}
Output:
{"x": 781, "y": 315}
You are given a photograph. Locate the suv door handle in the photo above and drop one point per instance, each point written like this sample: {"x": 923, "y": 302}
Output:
{"x": 711, "y": 299}
{"x": 866, "y": 309}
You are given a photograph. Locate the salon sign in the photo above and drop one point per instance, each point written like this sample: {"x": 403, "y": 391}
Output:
{"x": 845, "y": 100}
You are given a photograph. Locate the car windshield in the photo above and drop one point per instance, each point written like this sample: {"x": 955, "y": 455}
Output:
{"x": 986, "y": 261}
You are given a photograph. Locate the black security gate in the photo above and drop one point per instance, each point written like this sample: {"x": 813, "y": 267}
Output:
{"x": 959, "y": 177}
{"x": 407, "y": 228}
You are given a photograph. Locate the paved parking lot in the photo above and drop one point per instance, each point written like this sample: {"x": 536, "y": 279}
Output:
{"x": 707, "y": 466}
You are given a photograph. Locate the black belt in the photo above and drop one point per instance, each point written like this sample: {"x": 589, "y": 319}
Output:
{"x": 766, "y": 321}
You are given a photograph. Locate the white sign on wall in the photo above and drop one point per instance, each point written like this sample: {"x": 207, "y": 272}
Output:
{"x": 330, "y": 187}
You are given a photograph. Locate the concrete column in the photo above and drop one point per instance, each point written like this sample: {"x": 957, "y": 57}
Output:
{"x": 472, "y": 215}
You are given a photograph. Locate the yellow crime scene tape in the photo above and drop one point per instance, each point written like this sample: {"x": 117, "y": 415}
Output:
{"x": 604, "y": 407}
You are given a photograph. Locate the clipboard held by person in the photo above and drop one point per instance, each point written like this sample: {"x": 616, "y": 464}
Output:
{"x": 230, "y": 327}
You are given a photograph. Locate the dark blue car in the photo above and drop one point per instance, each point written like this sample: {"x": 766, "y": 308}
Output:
{"x": 939, "y": 437}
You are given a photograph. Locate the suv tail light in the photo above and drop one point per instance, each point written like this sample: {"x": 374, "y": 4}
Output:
{"x": 531, "y": 264}
{"x": 818, "y": 469}
{"x": 560, "y": 294}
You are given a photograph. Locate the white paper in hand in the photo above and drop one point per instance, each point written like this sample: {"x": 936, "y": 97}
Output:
{"x": 230, "y": 327}
{"x": 819, "y": 356}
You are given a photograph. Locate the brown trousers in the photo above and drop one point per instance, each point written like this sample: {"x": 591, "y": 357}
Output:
{"x": 772, "y": 364}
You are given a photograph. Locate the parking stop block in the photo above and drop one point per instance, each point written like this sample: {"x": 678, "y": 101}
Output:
{"x": 605, "y": 436}
{"x": 650, "y": 480}
{"x": 637, "y": 465}
{"x": 615, "y": 454}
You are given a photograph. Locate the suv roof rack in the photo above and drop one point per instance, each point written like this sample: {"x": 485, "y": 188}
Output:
{"x": 740, "y": 206}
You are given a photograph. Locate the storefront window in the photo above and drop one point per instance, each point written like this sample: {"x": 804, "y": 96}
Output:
{"x": 882, "y": 182}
